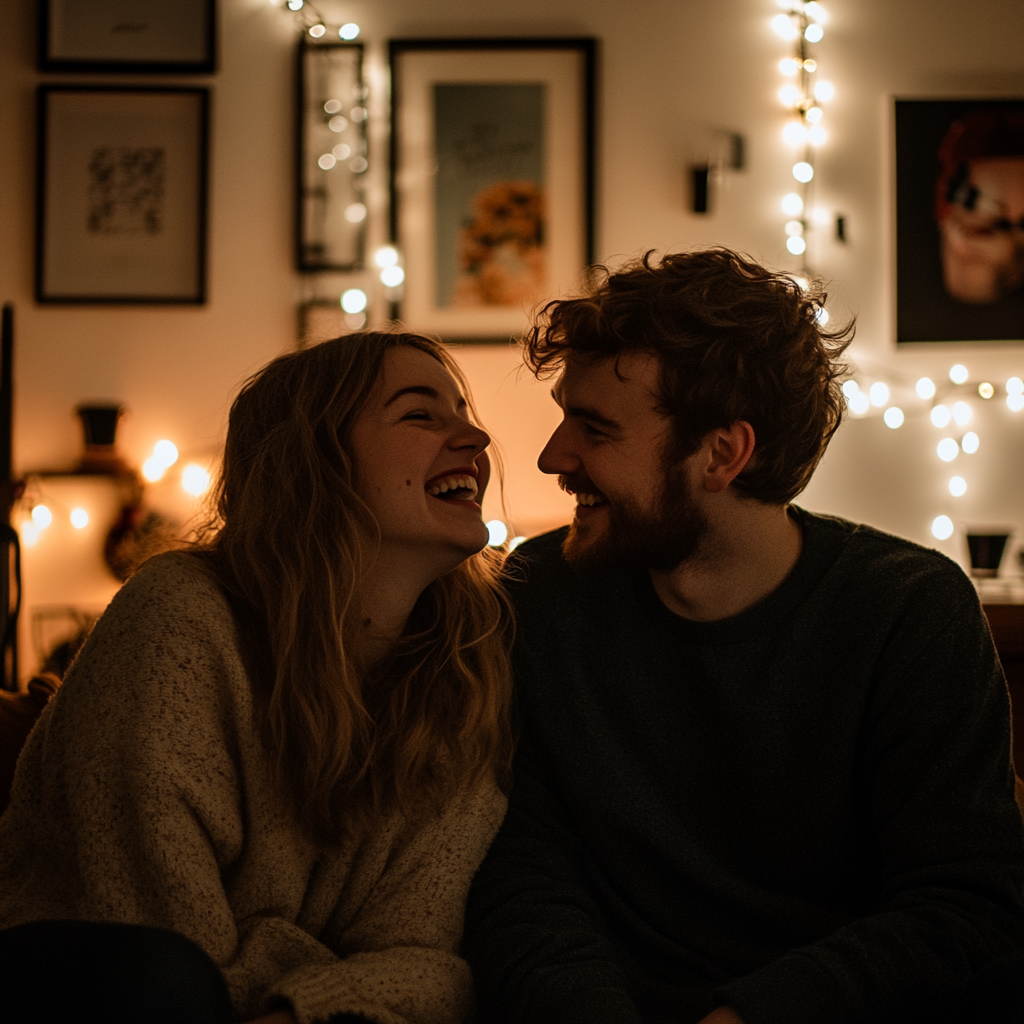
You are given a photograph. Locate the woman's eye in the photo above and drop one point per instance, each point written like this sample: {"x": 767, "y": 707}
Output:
{"x": 417, "y": 414}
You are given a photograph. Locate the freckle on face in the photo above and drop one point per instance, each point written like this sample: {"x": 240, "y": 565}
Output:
{"x": 408, "y": 483}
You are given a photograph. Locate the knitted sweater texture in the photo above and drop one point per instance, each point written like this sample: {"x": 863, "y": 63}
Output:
{"x": 144, "y": 796}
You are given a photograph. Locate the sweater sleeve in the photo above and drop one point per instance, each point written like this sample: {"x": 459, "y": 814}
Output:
{"x": 534, "y": 936}
{"x": 940, "y": 796}
{"x": 136, "y": 801}
{"x": 396, "y": 961}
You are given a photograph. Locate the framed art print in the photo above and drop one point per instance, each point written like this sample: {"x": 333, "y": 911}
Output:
{"x": 959, "y": 219}
{"x": 127, "y": 35}
{"x": 121, "y": 204}
{"x": 332, "y": 157}
{"x": 491, "y": 179}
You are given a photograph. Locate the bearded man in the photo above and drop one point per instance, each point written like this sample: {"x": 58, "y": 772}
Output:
{"x": 764, "y": 771}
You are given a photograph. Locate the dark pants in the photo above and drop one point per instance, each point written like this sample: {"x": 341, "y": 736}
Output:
{"x": 58, "y": 972}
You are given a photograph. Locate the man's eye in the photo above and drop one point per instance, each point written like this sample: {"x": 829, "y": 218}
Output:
{"x": 590, "y": 429}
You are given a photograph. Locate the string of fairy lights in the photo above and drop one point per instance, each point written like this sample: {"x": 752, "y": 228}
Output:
{"x": 803, "y": 94}
{"x": 950, "y": 407}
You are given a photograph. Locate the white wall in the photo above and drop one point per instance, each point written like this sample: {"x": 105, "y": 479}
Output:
{"x": 671, "y": 72}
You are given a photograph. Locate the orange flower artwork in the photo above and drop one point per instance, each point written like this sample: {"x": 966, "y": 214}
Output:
{"x": 502, "y": 260}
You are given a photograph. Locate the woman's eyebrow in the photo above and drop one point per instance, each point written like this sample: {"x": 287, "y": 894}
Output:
{"x": 415, "y": 389}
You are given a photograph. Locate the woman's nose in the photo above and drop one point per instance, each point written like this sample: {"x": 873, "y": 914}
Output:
{"x": 471, "y": 437}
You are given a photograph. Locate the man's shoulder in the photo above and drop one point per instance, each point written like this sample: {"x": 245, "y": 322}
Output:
{"x": 869, "y": 559}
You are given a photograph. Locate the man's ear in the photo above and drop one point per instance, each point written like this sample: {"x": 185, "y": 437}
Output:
{"x": 723, "y": 455}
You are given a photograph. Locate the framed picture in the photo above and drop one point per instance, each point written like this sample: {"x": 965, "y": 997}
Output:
{"x": 959, "y": 219}
{"x": 492, "y": 179}
{"x": 332, "y": 157}
{"x": 127, "y": 35}
{"x": 121, "y": 204}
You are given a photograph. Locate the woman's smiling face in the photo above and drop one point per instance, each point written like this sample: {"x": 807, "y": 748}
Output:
{"x": 421, "y": 465}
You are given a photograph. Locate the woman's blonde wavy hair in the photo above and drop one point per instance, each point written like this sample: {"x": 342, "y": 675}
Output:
{"x": 292, "y": 545}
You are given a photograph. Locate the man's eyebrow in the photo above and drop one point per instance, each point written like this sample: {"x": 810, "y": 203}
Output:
{"x": 582, "y": 411}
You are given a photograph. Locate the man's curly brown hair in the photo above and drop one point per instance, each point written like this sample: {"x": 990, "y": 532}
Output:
{"x": 736, "y": 342}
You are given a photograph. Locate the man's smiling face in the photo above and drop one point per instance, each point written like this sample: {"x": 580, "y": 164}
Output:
{"x": 609, "y": 451}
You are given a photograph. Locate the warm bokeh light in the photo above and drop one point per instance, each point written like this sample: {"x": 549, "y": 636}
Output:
{"x": 386, "y": 256}
{"x": 784, "y": 27}
{"x": 796, "y": 245}
{"x": 392, "y": 277}
{"x": 515, "y": 542}
{"x": 957, "y": 486}
{"x": 961, "y": 413}
{"x": 986, "y": 390}
{"x": 166, "y": 451}
{"x": 822, "y": 316}
{"x": 958, "y": 374}
{"x": 327, "y": 161}
{"x": 850, "y": 388}
{"x": 353, "y": 300}
{"x": 925, "y": 388}
{"x": 79, "y": 518}
{"x": 153, "y": 469}
{"x": 794, "y": 227}
{"x": 1015, "y": 402}
{"x": 893, "y": 417}
{"x": 814, "y": 115}
{"x": 824, "y": 91}
{"x": 789, "y": 94}
{"x": 497, "y": 533}
{"x": 860, "y": 403}
{"x": 942, "y": 527}
{"x": 788, "y": 66}
{"x": 879, "y": 394}
{"x": 969, "y": 442}
{"x": 940, "y": 416}
{"x": 316, "y": 31}
{"x": 947, "y": 449}
{"x": 1015, "y": 386}
{"x": 817, "y": 136}
{"x": 355, "y": 213}
{"x": 814, "y": 33}
{"x": 794, "y": 133}
{"x": 803, "y": 171}
{"x": 348, "y": 31}
{"x": 42, "y": 516}
{"x": 792, "y": 204}
{"x": 195, "y": 479}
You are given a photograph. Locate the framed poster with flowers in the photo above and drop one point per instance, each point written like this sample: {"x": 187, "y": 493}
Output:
{"x": 491, "y": 179}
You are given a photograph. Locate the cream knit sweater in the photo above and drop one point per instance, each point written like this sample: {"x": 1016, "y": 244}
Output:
{"x": 143, "y": 796}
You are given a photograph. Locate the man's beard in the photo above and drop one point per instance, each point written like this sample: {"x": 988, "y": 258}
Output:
{"x": 660, "y": 538}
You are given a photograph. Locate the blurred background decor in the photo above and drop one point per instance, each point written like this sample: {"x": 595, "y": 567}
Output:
{"x": 492, "y": 178}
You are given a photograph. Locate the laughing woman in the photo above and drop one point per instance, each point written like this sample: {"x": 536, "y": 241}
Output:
{"x": 277, "y": 752}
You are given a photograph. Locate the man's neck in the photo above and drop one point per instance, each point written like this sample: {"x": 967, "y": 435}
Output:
{"x": 748, "y": 551}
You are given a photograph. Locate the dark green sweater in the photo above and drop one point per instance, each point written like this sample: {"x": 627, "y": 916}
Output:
{"x": 805, "y": 811}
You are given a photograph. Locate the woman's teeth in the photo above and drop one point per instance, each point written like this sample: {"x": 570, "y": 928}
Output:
{"x": 454, "y": 483}
{"x": 589, "y": 499}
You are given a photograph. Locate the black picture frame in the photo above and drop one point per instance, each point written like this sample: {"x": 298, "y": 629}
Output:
{"x": 469, "y": 327}
{"x": 128, "y": 36}
{"x": 926, "y": 311}
{"x": 121, "y": 203}
{"x": 319, "y": 194}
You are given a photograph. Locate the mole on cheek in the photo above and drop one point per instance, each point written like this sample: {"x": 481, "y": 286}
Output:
{"x": 408, "y": 483}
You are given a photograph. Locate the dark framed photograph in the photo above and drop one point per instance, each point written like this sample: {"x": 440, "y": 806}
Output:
{"x": 332, "y": 157}
{"x": 128, "y": 35}
{"x": 121, "y": 202}
{"x": 959, "y": 219}
{"x": 492, "y": 179}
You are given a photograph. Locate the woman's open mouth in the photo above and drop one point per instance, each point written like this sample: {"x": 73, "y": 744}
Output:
{"x": 453, "y": 487}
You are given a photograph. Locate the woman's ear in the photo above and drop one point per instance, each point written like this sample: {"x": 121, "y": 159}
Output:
{"x": 723, "y": 455}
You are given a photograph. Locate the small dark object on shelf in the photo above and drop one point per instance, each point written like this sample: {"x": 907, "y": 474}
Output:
{"x": 138, "y": 534}
{"x": 99, "y": 424}
{"x": 986, "y": 551}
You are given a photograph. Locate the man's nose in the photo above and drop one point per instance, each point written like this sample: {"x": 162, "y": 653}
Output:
{"x": 558, "y": 457}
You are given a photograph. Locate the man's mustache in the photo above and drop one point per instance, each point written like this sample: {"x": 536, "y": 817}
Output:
{"x": 574, "y": 483}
